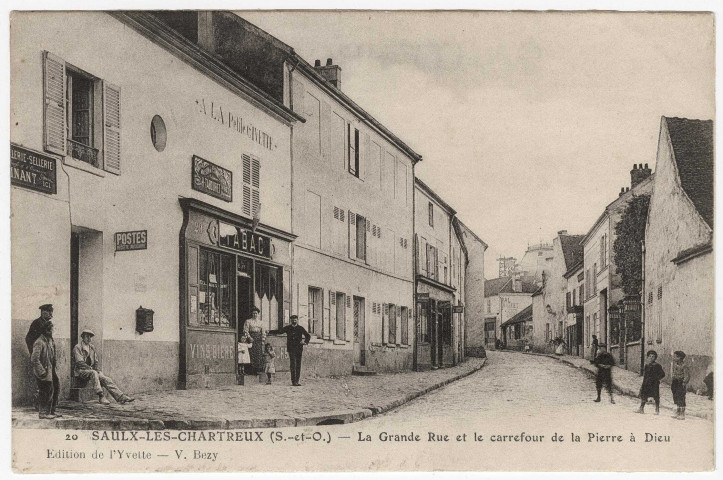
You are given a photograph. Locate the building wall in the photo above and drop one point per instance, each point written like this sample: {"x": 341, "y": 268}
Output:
{"x": 325, "y": 255}
{"x": 510, "y": 305}
{"x": 683, "y": 318}
{"x": 144, "y": 196}
{"x": 474, "y": 294}
{"x": 573, "y": 289}
{"x": 596, "y": 281}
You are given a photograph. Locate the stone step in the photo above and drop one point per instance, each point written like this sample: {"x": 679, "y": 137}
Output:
{"x": 362, "y": 371}
{"x": 83, "y": 394}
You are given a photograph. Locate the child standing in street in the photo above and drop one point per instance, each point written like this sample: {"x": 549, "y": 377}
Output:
{"x": 244, "y": 358}
{"x": 651, "y": 382}
{"x": 604, "y": 363}
{"x": 680, "y": 376}
{"x": 269, "y": 367}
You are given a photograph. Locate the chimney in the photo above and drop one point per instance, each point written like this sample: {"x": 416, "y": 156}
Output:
{"x": 622, "y": 192}
{"x": 562, "y": 232}
{"x": 331, "y": 72}
{"x": 638, "y": 174}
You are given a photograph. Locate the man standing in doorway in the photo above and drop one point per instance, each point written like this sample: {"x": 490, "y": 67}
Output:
{"x": 34, "y": 332}
{"x": 43, "y": 361}
{"x": 296, "y": 338}
{"x": 85, "y": 367}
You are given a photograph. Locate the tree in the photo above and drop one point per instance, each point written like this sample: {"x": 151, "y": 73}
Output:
{"x": 627, "y": 248}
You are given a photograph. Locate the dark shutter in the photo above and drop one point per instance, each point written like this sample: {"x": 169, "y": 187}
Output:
{"x": 54, "y": 111}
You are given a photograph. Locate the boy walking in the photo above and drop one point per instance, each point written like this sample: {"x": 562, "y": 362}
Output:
{"x": 680, "y": 376}
{"x": 652, "y": 375}
{"x": 604, "y": 363}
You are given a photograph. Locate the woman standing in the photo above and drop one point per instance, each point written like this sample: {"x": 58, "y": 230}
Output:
{"x": 254, "y": 328}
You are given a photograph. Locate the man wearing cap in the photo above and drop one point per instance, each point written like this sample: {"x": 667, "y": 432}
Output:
{"x": 85, "y": 367}
{"x": 43, "y": 362}
{"x": 296, "y": 338}
{"x": 46, "y": 313}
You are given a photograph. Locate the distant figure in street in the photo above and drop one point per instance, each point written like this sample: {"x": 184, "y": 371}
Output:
{"x": 652, "y": 376}
{"x": 43, "y": 361}
{"x": 604, "y": 363}
{"x": 269, "y": 366}
{"x": 296, "y": 338}
{"x": 594, "y": 348}
{"x": 708, "y": 382}
{"x": 679, "y": 376}
{"x": 244, "y": 357}
{"x": 46, "y": 314}
{"x": 85, "y": 367}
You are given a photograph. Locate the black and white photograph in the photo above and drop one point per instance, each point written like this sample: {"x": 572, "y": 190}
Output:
{"x": 361, "y": 240}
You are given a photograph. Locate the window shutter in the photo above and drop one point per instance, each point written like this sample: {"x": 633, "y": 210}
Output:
{"x": 112, "y": 128}
{"x": 246, "y": 169}
{"x": 364, "y": 163}
{"x": 348, "y": 332}
{"x": 255, "y": 186}
{"x": 352, "y": 235}
{"x": 54, "y": 112}
{"x": 385, "y": 315}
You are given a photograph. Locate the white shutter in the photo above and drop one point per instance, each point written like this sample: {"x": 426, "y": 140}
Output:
{"x": 349, "y": 326}
{"x": 385, "y": 316}
{"x": 352, "y": 235}
{"x": 112, "y": 128}
{"x": 246, "y": 168}
{"x": 54, "y": 111}
{"x": 255, "y": 186}
{"x": 332, "y": 315}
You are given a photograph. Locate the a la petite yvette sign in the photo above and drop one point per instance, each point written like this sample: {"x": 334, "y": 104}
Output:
{"x": 32, "y": 170}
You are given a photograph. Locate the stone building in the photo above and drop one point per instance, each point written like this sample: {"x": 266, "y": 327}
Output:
{"x": 575, "y": 335}
{"x": 137, "y": 166}
{"x": 504, "y": 297}
{"x": 536, "y": 261}
{"x": 603, "y": 284}
{"x": 678, "y": 290}
{"x": 474, "y": 291}
{"x": 551, "y": 321}
{"x": 517, "y": 331}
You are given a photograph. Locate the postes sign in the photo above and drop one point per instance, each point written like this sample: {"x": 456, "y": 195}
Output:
{"x": 136, "y": 240}
{"x": 32, "y": 170}
{"x": 211, "y": 179}
{"x": 244, "y": 240}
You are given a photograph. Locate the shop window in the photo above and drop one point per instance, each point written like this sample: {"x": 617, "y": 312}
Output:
{"x": 446, "y": 311}
{"x": 251, "y": 185}
{"x": 404, "y": 320}
{"x": 268, "y": 294}
{"x": 340, "y": 316}
{"x": 82, "y": 115}
{"x": 352, "y": 140}
{"x": 392, "y": 323}
{"x": 423, "y": 330}
{"x": 316, "y": 311}
{"x": 216, "y": 287}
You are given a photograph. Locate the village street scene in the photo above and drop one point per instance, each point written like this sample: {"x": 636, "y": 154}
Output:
{"x": 209, "y": 231}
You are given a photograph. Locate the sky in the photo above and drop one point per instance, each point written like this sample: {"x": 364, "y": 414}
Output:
{"x": 528, "y": 122}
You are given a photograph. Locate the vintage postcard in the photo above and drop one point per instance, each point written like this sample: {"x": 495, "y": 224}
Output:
{"x": 311, "y": 241}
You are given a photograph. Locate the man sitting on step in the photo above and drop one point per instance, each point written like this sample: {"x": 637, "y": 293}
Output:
{"x": 85, "y": 367}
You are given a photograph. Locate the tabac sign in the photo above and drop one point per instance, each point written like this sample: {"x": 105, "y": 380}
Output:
{"x": 211, "y": 179}
{"x": 32, "y": 170}
{"x": 244, "y": 240}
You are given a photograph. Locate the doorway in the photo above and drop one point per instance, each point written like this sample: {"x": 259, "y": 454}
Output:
{"x": 604, "y": 315}
{"x": 359, "y": 332}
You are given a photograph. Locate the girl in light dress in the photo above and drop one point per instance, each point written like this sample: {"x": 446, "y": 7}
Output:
{"x": 269, "y": 367}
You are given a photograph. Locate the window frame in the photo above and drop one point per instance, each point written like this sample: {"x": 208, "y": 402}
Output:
{"x": 430, "y": 213}
{"x": 316, "y": 329}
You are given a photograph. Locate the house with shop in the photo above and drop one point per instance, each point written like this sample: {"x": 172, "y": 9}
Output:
{"x": 678, "y": 287}
{"x": 550, "y": 321}
{"x": 574, "y": 333}
{"x": 352, "y": 196}
{"x": 517, "y": 331}
{"x": 603, "y": 284}
{"x": 137, "y": 169}
{"x": 504, "y": 297}
{"x": 474, "y": 291}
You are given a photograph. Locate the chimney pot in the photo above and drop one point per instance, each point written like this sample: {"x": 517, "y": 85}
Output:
{"x": 640, "y": 166}
{"x": 317, "y": 63}
{"x": 646, "y": 166}
{"x": 329, "y": 62}
{"x": 635, "y": 166}
{"x": 562, "y": 232}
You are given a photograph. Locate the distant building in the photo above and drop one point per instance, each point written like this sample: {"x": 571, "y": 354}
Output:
{"x": 603, "y": 285}
{"x": 517, "y": 331}
{"x": 536, "y": 261}
{"x": 551, "y": 320}
{"x": 474, "y": 291}
{"x": 678, "y": 290}
{"x": 504, "y": 297}
{"x": 575, "y": 277}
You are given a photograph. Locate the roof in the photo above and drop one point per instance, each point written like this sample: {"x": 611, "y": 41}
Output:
{"x": 574, "y": 269}
{"x": 524, "y": 315}
{"x": 692, "y": 142}
{"x": 496, "y": 286}
{"x": 572, "y": 249}
{"x": 433, "y": 195}
{"x": 474, "y": 235}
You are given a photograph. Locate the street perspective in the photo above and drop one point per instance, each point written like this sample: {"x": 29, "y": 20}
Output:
{"x": 362, "y": 241}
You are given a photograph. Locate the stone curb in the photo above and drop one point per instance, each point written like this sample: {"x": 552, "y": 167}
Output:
{"x": 182, "y": 423}
{"x": 617, "y": 387}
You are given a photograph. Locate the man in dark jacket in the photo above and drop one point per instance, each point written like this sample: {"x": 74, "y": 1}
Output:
{"x": 652, "y": 376}
{"x": 296, "y": 338}
{"x": 46, "y": 313}
{"x": 604, "y": 363}
{"x": 43, "y": 360}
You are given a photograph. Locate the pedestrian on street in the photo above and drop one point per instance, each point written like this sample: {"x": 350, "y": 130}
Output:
{"x": 652, "y": 376}
{"x": 46, "y": 314}
{"x": 604, "y": 363}
{"x": 296, "y": 338}
{"x": 43, "y": 361}
{"x": 679, "y": 376}
{"x": 269, "y": 365}
{"x": 244, "y": 357}
{"x": 85, "y": 367}
{"x": 594, "y": 348}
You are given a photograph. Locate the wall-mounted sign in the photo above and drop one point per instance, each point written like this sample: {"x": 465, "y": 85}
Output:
{"x": 458, "y": 309}
{"x": 422, "y": 296}
{"x": 235, "y": 122}
{"x": 244, "y": 240}
{"x": 32, "y": 170}
{"x": 136, "y": 240}
{"x": 211, "y": 179}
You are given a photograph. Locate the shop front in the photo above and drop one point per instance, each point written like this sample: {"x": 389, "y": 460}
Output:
{"x": 228, "y": 266}
{"x": 435, "y": 347}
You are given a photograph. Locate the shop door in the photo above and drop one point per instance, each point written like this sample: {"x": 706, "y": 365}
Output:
{"x": 445, "y": 340}
{"x": 434, "y": 332}
{"x": 359, "y": 332}
{"x": 244, "y": 298}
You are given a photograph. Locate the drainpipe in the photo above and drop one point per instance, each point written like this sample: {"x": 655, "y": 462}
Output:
{"x": 415, "y": 241}
{"x": 642, "y": 311}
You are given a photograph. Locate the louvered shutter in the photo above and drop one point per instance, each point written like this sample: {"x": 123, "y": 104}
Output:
{"x": 352, "y": 235}
{"x": 54, "y": 112}
{"x": 349, "y": 332}
{"x": 332, "y": 314}
{"x": 246, "y": 167}
{"x": 112, "y": 128}
{"x": 255, "y": 186}
{"x": 385, "y": 316}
